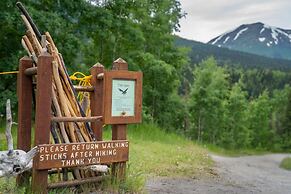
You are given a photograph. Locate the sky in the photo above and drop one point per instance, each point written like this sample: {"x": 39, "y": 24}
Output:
{"x": 207, "y": 19}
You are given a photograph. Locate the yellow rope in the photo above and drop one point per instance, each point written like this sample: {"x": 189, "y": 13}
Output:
{"x": 8, "y": 72}
{"x": 84, "y": 80}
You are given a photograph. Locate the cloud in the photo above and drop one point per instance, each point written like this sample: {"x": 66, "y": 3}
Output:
{"x": 207, "y": 19}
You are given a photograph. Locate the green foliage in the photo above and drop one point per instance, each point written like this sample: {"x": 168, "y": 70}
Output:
{"x": 259, "y": 117}
{"x": 224, "y": 114}
{"x": 7, "y": 185}
{"x": 286, "y": 123}
{"x": 236, "y": 134}
{"x": 160, "y": 91}
{"x": 286, "y": 163}
{"x": 207, "y": 105}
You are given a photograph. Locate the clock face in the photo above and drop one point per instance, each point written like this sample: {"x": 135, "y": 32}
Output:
{"x": 123, "y": 96}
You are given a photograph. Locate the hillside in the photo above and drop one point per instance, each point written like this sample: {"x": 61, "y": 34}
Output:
{"x": 200, "y": 51}
{"x": 257, "y": 38}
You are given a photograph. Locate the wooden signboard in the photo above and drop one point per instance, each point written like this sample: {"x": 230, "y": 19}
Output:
{"x": 80, "y": 154}
{"x": 122, "y": 97}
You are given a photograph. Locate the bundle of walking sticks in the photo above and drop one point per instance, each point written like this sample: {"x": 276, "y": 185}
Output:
{"x": 64, "y": 101}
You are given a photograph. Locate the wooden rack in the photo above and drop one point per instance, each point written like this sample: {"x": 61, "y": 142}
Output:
{"x": 44, "y": 119}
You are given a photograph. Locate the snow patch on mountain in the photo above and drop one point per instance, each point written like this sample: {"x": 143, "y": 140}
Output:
{"x": 274, "y": 33}
{"x": 240, "y": 32}
{"x": 221, "y": 36}
{"x": 226, "y": 39}
{"x": 262, "y": 39}
{"x": 217, "y": 39}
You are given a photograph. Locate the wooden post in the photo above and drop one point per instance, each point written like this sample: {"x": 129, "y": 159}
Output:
{"x": 96, "y": 99}
{"x": 43, "y": 117}
{"x": 24, "y": 94}
{"x": 119, "y": 130}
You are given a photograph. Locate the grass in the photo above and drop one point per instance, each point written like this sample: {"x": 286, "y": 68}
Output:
{"x": 3, "y": 142}
{"x": 286, "y": 163}
{"x": 153, "y": 152}
{"x": 234, "y": 152}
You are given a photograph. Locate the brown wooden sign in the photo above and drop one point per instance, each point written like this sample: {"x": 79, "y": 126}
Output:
{"x": 122, "y": 97}
{"x": 80, "y": 154}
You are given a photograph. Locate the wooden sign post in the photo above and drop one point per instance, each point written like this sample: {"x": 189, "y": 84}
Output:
{"x": 24, "y": 95}
{"x": 42, "y": 117}
{"x": 96, "y": 99}
{"x": 122, "y": 104}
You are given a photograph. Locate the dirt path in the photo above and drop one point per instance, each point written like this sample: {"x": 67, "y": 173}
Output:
{"x": 248, "y": 174}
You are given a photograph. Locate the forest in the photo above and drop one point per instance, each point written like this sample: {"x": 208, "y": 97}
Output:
{"x": 232, "y": 106}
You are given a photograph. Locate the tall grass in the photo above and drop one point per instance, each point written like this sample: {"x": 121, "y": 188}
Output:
{"x": 155, "y": 152}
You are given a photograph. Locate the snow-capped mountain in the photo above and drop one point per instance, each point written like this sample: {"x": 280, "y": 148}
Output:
{"x": 257, "y": 38}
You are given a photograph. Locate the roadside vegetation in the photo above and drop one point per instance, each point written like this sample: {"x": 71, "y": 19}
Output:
{"x": 286, "y": 163}
{"x": 234, "y": 152}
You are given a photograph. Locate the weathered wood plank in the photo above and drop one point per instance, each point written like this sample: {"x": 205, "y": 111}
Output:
{"x": 81, "y": 154}
{"x": 96, "y": 99}
{"x": 24, "y": 95}
{"x": 43, "y": 117}
{"x": 76, "y": 182}
{"x": 119, "y": 130}
{"x": 76, "y": 119}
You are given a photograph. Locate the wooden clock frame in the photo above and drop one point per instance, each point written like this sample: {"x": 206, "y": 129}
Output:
{"x": 109, "y": 76}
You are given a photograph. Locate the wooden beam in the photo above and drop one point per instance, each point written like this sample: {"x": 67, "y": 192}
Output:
{"x": 100, "y": 76}
{"x": 96, "y": 99}
{"x": 43, "y": 117}
{"x": 84, "y": 88}
{"x": 119, "y": 130}
{"x": 24, "y": 95}
{"x": 76, "y": 119}
{"x": 73, "y": 183}
{"x": 30, "y": 71}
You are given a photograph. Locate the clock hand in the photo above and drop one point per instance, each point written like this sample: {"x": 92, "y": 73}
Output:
{"x": 120, "y": 90}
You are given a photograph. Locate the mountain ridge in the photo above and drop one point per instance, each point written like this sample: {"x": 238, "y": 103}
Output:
{"x": 200, "y": 51}
{"x": 257, "y": 38}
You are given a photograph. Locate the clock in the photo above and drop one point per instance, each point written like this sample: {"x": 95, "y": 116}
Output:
{"x": 122, "y": 97}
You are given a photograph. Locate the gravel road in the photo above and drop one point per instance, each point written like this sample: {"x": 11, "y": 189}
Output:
{"x": 248, "y": 174}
